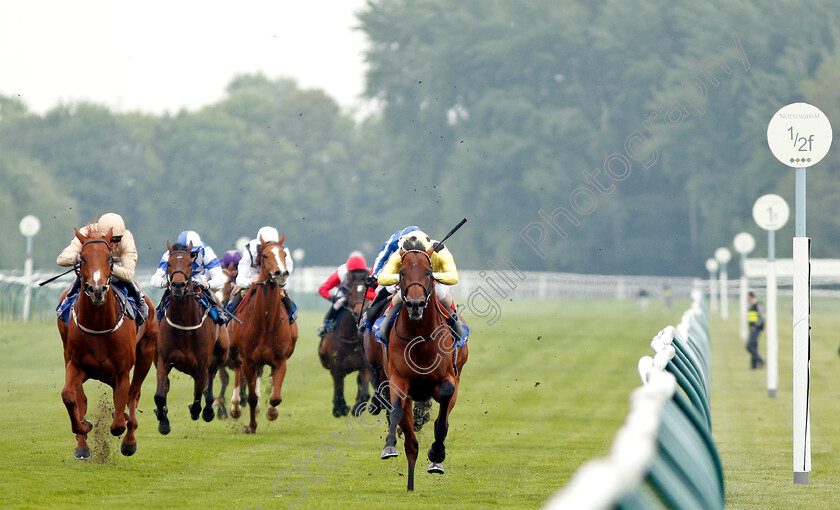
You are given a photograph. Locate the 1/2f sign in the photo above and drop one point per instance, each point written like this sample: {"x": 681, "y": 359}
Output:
{"x": 799, "y": 135}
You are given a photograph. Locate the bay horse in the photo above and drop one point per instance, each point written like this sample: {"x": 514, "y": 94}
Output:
{"x": 102, "y": 342}
{"x": 265, "y": 336}
{"x": 343, "y": 352}
{"x": 189, "y": 341}
{"x": 422, "y": 360}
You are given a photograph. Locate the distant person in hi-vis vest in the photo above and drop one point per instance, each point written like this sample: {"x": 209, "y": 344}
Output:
{"x": 755, "y": 319}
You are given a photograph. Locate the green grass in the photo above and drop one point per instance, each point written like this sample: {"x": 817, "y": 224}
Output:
{"x": 754, "y": 433}
{"x": 545, "y": 389}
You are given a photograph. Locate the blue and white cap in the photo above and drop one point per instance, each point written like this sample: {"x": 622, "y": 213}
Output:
{"x": 188, "y": 236}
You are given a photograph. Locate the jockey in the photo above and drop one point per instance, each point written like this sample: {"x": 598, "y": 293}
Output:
{"x": 230, "y": 261}
{"x": 124, "y": 253}
{"x": 248, "y": 270}
{"x": 383, "y": 292}
{"x": 443, "y": 271}
{"x": 340, "y": 278}
{"x": 206, "y": 273}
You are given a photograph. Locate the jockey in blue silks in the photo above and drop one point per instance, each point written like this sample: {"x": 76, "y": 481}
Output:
{"x": 382, "y": 292}
{"x": 207, "y": 274}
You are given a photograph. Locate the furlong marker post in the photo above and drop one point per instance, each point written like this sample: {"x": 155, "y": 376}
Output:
{"x": 799, "y": 135}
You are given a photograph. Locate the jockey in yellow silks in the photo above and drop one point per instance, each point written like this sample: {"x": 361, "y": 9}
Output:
{"x": 443, "y": 271}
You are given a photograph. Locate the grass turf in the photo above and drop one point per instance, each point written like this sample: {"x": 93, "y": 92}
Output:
{"x": 544, "y": 390}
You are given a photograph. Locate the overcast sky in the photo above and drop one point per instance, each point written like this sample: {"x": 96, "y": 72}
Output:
{"x": 158, "y": 56}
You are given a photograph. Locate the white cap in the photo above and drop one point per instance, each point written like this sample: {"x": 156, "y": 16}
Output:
{"x": 268, "y": 235}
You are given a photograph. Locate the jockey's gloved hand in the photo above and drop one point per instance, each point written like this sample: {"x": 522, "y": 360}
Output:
{"x": 371, "y": 281}
{"x": 333, "y": 298}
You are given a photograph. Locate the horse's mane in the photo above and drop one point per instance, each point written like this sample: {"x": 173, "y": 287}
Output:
{"x": 179, "y": 247}
{"x": 412, "y": 243}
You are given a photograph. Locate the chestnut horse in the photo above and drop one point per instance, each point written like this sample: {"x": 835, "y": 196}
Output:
{"x": 102, "y": 342}
{"x": 342, "y": 352}
{"x": 265, "y": 336}
{"x": 189, "y": 341}
{"x": 422, "y": 360}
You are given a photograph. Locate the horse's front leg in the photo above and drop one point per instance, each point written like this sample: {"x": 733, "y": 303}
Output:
{"x": 82, "y": 450}
{"x": 236, "y": 398}
{"x": 411, "y": 444}
{"x": 363, "y": 393}
{"x": 208, "y": 414}
{"x": 221, "y": 411}
{"x": 161, "y": 411}
{"x": 339, "y": 405}
{"x": 199, "y": 384}
{"x": 249, "y": 370}
{"x": 278, "y": 373}
{"x": 121, "y": 387}
{"x": 448, "y": 394}
{"x": 398, "y": 388}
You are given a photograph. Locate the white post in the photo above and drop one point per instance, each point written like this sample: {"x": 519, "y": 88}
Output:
{"x": 29, "y": 226}
{"x": 744, "y": 243}
{"x": 712, "y": 267}
{"x": 772, "y": 327}
{"x": 801, "y": 339}
{"x": 723, "y": 256}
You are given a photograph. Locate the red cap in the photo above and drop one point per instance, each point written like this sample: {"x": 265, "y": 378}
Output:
{"x": 356, "y": 262}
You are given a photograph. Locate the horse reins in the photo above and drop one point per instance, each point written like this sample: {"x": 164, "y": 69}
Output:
{"x": 78, "y": 270}
{"x": 188, "y": 294}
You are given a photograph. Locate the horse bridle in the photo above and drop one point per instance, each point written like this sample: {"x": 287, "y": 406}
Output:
{"x": 354, "y": 339}
{"x": 427, "y": 291}
{"x": 270, "y": 279}
{"x": 78, "y": 268}
{"x": 169, "y": 275}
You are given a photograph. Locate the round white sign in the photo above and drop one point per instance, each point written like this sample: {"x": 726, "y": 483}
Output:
{"x": 771, "y": 212}
{"x": 241, "y": 242}
{"x": 298, "y": 254}
{"x": 711, "y": 265}
{"x": 744, "y": 243}
{"x": 723, "y": 255}
{"x": 30, "y": 225}
{"x": 799, "y": 135}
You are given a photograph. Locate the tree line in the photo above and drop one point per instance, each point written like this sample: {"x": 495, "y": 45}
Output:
{"x": 583, "y": 136}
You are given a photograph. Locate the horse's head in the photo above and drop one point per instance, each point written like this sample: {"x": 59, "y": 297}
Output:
{"x": 272, "y": 261}
{"x": 356, "y": 291}
{"x": 417, "y": 285}
{"x": 180, "y": 269}
{"x": 95, "y": 264}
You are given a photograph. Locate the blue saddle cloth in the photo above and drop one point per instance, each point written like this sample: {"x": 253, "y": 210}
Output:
{"x": 377, "y": 331}
{"x": 63, "y": 309}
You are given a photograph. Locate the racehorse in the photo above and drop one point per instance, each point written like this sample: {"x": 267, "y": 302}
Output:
{"x": 102, "y": 342}
{"x": 188, "y": 341}
{"x": 265, "y": 336}
{"x": 342, "y": 351}
{"x": 423, "y": 361}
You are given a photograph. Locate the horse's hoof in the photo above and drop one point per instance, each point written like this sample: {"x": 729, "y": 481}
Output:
{"x": 128, "y": 449}
{"x": 339, "y": 411}
{"x": 249, "y": 430}
{"x": 221, "y": 413}
{"x": 89, "y": 428}
{"x": 208, "y": 414}
{"x": 118, "y": 431}
{"x": 164, "y": 427}
{"x": 389, "y": 452}
{"x": 435, "y": 468}
{"x": 195, "y": 414}
{"x": 235, "y": 411}
{"x": 374, "y": 408}
{"x": 272, "y": 413}
{"x": 82, "y": 453}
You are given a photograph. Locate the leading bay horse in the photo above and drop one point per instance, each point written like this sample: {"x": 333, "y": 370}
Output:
{"x": 265, "y": 336}
{"x": 422, "y": 360}
{"x": 189, "y": 340}
{"x": 342, "y": 351}
{"x": 101, "y": 342}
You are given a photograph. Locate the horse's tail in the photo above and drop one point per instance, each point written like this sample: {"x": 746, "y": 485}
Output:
{"x": 422, "y": 413}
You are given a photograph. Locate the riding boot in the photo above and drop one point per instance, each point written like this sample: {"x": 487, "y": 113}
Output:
{"x": 376, "y": 306}
{"x": 385, "y": 328}
{"x": 69, "y": 297}
{"x": 290, "y": 307}
{"x": 457, "y": 327}
{"x": 164, "y": 302}
{"x": 327, "y": 326}
{"x": 233, "y": 304}
{"x": 221, "y": 314}
{"x": 139, "y": 300}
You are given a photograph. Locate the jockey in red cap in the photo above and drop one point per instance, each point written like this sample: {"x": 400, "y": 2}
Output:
{"x": 340, "y": 278}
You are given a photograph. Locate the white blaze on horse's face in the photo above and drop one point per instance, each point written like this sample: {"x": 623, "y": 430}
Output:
{"x": 280, "y": 279}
